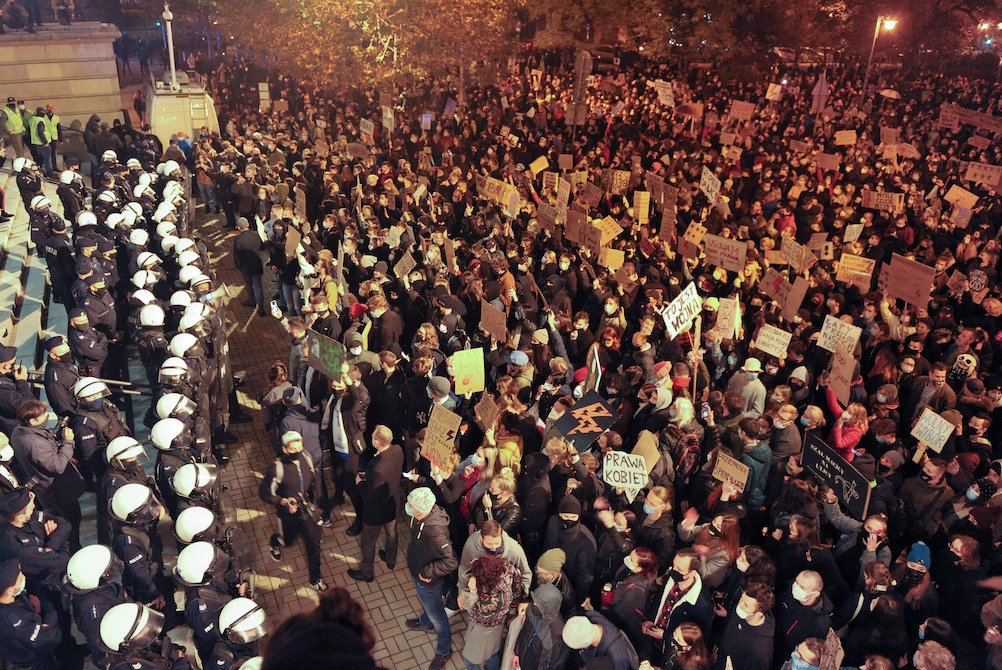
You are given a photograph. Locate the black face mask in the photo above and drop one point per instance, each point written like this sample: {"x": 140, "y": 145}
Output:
{"x": 675, "y": 575}
{"x": 82, "y": 327}
{"x": 99, "y": 292}
{"x": 568, "y": 523}
{"x": 926, "y": 477}
{"x": 495, "y": 552}
{"x": 911, "y": 577}
{"x": 65, "y": 358}
{"x": 883, "y": 469}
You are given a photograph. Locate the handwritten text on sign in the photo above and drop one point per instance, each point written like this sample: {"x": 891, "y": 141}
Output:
{"x": 625, "y": 471}
{"x": 851, "y": 487}
{"x": 680, "y": 312}
{"x": 932, "y": 430}
{"x": 729, "y": 469}
{"x": 835, "y": 333}
{"x": 440, "y": 437}
{"x": 725, "y": 252}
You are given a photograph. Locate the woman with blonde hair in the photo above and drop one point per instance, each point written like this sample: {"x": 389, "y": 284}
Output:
{"x": 850, "y": 426}
{"x": 499, "y": 503}
{"x": 561, "y": 457}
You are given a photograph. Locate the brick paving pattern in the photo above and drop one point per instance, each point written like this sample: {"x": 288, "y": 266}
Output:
{"x": 282, "y": 587}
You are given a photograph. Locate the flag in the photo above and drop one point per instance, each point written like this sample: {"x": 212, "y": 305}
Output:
{"x": 820, "y": 94}
{"x": 594, "y": 374}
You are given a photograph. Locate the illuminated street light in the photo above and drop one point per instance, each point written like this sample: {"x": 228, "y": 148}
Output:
{"x": 886, "y": 23}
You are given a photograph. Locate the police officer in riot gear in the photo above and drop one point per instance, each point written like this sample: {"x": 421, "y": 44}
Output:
{"x": 151, "y": 341}
{"x": 136, "y": 511}
{"x": 124, "y": 456}
{"x": 241, "y": 624}
{"x": 172, "y": 439}
{"x": 133, "y": 634}
{"x": 96, "y": 424}
{"x": 90, "y": 581}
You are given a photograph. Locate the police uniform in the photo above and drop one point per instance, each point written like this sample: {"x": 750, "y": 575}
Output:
{"x": 29, "y": 184}
{"x": 135, "y": 548}
{"x": 88, "y": 609}
{"x": 154, "y": 349}
{"x": 168, "y": 463}
{"x": 101, "y": 308}
{"x": 13, "y": 392}
{"x": 60, "y": 261}
{"x": 113, "y": 480}
{"x": 59, "y": 378}
{"x": 90, "y": 349}
{"x": 93, "y": 429}
{"x": 25, "y": 640}
{"x": 201, "y": 612}
{"x": 41, "y": 224}
{"x": 73, "y": 201}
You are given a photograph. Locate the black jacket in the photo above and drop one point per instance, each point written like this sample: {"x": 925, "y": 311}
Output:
{"x": 247, "y": 249}
{"x": 430, "y": 555}
{"x": 579, "y": 545}
{"x": 12, "y": 394}
{"x": 747, "y": 647}
{"x": 380, "y": 490}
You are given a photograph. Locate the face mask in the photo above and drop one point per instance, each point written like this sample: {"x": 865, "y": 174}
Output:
{"x": 804, "y": 421}
{"x": 778, "y": 423}
{"x": 565, "y": 266}
{"x": 742, "y": 565}
{"x": 477, "y": 461}
{"x": 355, "y": 351}
{"x": 796, "y": 384}
{"x": 496, "y": 550}
{"x": 99, "y": 292}
{"x": 751, "y": 375}
{"x": 21, "y": 590}
{"x": 673, "y": 413}
{"x": 409, "y": 510}
{"x": 94, "y": 404}
{"x": 732, "y": 360}
{"x": 883, "y": 469}
{"x": 907, "y": 369}
{"x": 713, "y": 530}
{"x": 610, "y": 309}
{"x": 65, "y": 358}
{"x": 742, "y": 614}
{"x": 797, "y": 663}
{"x": 921, "y": 633}
{"x": 675, "y": 575}
{"x": 926, "y": 477}
{"x": 799, "y": 594}
{"x": 648, "y": 509}
{"x": 881, "y": 398}
{"x": 630, "y": 565}
{"x": 568, "y": 523}
{"x": 971, "y": 494}
{"x": 912, "y": 577}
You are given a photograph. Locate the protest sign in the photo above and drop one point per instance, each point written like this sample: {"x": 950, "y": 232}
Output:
{"x": 550, "y": 181}
{"x": 799, "y": 146}
{"x": 324, "y": 354}
{"x": 885, "y": 201}
{"x": 468, "y": 370}
{"x": 948, "y": 118}
{"x": 828, "y": 162}
{"x": 547, "y": 215}
{"x": 625, "y": 471}
{"x": 742, "y": 111}
{"x": 440, "y": 436}
{"x": 725, "y": 252}
{"x": 845, "y": 138}
{"x": 450, "y": 107}
{"x": 486, "y": 411}
{"x": 647, "y": 447}
{"x": 609, "y": 229}
{"x": 978, "y": 280}
{"x": 889, "y": 135}
{"x": 358, "y": 151}
{"x": 773, "y": 341}
{"x": 852, "y": 232}
{"x": 835, "y": 333}
{"x": 565, "y": 162}
{"x": 493, "y": 321}
{"x": 728, "y": 318}
{"x": 840, "y": 374}
{"x": 727, "y": 139}
{"x": 794, "y": 298}
{"x": 540, "y": 164}
{"x": 910, "y": 280}
{"x": 426, "y": 121}
{"x": 588, "y": 418}
{"x": 666, "y": 232}
{"x": 679, "y": 313}
{"x": 817, "y": 243}
{"x": 591, "y": 195}
{"x": 979, "y": 142}
{"x": 642, "y": 206}
{"x": 575, "y": 225}
{"x": 728, "y": 469}
{"x": 961, "y": 197}
{"x": 849, "y": 485}
{"x": 932, "y": 430}
{"x": 388, "y": 118}
{"x": 774, "y": 92}
{"x": 563, "y": 194}
{"x": 612, "y": 258}
{"x": 797, "y": 256}
{"x": 709, "y": 184}
{"x": 450, "y": 255}
{"x": 367, "y": 127}
{"x": 856, "y": 270}
{"x": 956, "y": 281}
{"x": 774, "y": 285}
{"x": 404, "y": 266}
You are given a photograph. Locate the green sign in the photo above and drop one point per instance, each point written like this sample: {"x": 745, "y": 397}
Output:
{"x": 324, "y": 354}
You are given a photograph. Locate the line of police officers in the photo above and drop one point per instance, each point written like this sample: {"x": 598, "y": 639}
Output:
{"x": 117, "y": 591}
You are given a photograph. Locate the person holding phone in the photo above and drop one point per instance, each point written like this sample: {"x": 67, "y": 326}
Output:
{"x": 860, "y": 542}
{"x": 14, "y": 389}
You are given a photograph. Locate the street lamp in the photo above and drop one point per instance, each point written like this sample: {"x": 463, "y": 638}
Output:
{"x": 886, "y": 23}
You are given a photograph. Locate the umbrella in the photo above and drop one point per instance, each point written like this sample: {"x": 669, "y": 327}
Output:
{"x": 908, "y": 151}
{"x": 890, "y": 93}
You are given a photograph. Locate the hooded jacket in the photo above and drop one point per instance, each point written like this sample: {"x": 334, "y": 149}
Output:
{"x": 539, "y": 643}
{"x": 614, "y": 645}
{"x": 511, "y": 551}
{"x": 430, "y": 554}
{"x": 758, "y": 460}
{"x": 579, "y": 545}
{"x": 746, "y": 647}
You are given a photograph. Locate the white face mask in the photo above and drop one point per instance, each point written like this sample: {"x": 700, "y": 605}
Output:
{"x": 610, "y": 309}
{"x": 799, "y": 594}
{"x": 20, "y": 590}
{"x": 742, "y": 564}
{"x": 742, "y": 614}
{"x": 355, "y": 351}
{"x": 630, "y": 565}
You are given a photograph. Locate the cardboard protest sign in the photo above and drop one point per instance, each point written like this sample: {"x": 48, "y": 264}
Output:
{"x": 961, "y": 197}
{"x": 852, "y": 232}
{"x": 647, "y": 447}
{"x": 932, "y": 430}
{"x": 358, "y": 151}
{"x": 590, "y": 194}
{"x": 794, "y": 298}
{"x": 547, "y": 215}
{"x": 774, "y": 92}
{"x": 563, "y": 194}
{"x": 728, "y": 139}
{"x": 468, "y": 370}
{"x": 565, "y": 162}
{"x": 493, "y": 321}
{"x": 404, "y": 266}
{"x": 486, "y": 411}
{"x": 388, "y": 118}
{"x": 799, "y": 147}
{"x": 885, "y": 201}
{"x": 910, "y": 280}
{"x": 679, "y": 313}
{"x": 817, "y": 242}
{"x": 691, "y": 239}
{"x": 609, "y": 228}
{"x": 742, "y": 111}
{"x": 642, "y": 206}
{"x": 856, "y": 270}
{"x": 828, "y": 162}
{"x": 628, "y": 472}
{"x": 612, "y": 258}
{"x": 797, "y": 256}
{"x": 450, "y": 255}
{"x": 550, "y": 181}
{"x": 728, "y": 469}
{"x": 540, "y": 164}
{"x": 956, "y": 281}
{"x": 728, "y": 318}
{"x": 709, "y": 184}
{"x": 851, "y": 487}
{"x": 575, "y": 225}
{"x": 591, "y": 238}
{"x": 979, "y": 142}
{"x": 845, "y": 138}
{"x": 450, "y": 107}
{"x": 772, "y": 340}
{"x": 586, "y": 420}
{"x": 840, "y": 374}
{"x": 324, "y": 354}
{"x": 440, "y": 436}
{"x": 426, "y": 121}
{"x": 725, "y": 252}
{"x": 774, "y": 285}
{"x": 978, "y": 280}
{"x": 889, "y": 135}
{"x": 836, "y": 333}
{"x": 667, "y": 232}
{"x": 948, "y": 118}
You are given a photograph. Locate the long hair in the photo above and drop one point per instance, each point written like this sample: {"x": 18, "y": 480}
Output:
{"x": 697, "y": 656}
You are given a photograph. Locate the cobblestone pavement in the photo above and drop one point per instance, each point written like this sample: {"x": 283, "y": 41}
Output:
{"x": 282, "y": 588}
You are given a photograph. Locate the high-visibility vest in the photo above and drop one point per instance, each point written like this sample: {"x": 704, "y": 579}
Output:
{"x": 51, "y": 126}
{"x": 33, "y": 130}
{"x": 13, "y": 121}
